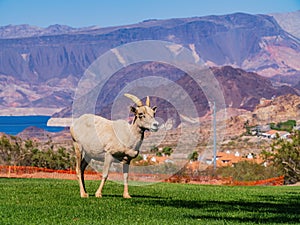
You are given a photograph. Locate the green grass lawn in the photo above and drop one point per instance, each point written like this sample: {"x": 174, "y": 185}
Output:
{"x": 50, "y": 201}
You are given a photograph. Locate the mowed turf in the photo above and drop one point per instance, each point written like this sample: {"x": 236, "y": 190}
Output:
{"x": 50, "y": 201}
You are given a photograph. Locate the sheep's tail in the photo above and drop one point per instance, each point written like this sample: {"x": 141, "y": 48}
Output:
{"x": 72, "y": 133}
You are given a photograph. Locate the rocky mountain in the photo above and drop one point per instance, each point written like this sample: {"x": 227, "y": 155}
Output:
{"x": 244, "y": 90}
{"x": 241, "y": 89}
{"x": 252, "y": 42}
{"x": 54, "y": 93}
{"x": 290, "y": 22}
{"x": 275, "y": 110}
{"x": 25, "y": 30}
{"x": 297, "y": 86}
{"x": 40, "y": 67}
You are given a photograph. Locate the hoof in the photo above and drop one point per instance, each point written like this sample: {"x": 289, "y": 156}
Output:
{"x": 84, "y": 195}
{"x": 126, "y": 196}
{"x": 98, "y": 195}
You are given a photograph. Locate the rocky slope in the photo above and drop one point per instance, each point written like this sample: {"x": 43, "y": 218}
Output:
{"x": 252, "y": 42}
{"x": 41, "y": 67}
{"x": 279, "y": 109}
{"x": 241, "y": 89}
{"x": 25, "y": 30}
{"x": 244, "y": 90}
{"x": 289, "y": 21}
{"x": 274, "y": 110}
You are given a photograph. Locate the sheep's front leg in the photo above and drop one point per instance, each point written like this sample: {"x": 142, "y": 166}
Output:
{"x": 80, "y": 166}
{"x": 125, "y": 174}
{"x": 107, "y": 163}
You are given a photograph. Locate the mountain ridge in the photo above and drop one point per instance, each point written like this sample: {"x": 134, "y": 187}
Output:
{"x": 26, "y": 30}
{"x": 15, "y": 31}
{"x": 43, "y": 69}
{"x": 241, "y": 89}
{"x": 241, "y": 40}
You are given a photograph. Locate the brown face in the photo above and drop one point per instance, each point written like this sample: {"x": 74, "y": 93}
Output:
{"x": 144, "y": 117}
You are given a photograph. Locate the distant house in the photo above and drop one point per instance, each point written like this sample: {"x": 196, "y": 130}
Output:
{"x": 273, "y": 133}
{"x": 284, "y": 134}
{"x": 250, "y": 156}
{"x": 265, "y": 102}
{"x": 229, "y": 159}
{"x": 297, "y": 127}
{"x": 269, "y": 134}
{"x": 156, "y": 159}
{"x": 258, "y": 130}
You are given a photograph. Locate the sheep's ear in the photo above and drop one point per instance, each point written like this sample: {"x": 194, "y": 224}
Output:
{"x": 132, "y": 109}
{"x": 154, "y": 109}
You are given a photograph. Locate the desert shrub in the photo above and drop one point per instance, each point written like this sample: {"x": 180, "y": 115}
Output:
{"x": 193, "y": 156}
{"x": 15, "y": 151}
{"x": 60, "y": 159}
{"x": 285, "y": 156}
{"x": 167, "y": 151}
{"x": 286, "y": 126}
{"x": 137, "y": 159}
{"x": 248, "y": 171}
{"x": 12, "y": 150}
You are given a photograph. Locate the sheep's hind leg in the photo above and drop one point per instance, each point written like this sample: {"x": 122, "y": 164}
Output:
{"x": 84, "y": 164}
{"x": 125, "y": 174}
{"x": 107, "y": 163}
{"x": 79, "y": 166}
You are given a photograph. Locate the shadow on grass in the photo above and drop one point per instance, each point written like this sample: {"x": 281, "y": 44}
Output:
{"x": 267, "y": 210}
{"x": 121, "y": 196}
{"x": 255, "y": 212}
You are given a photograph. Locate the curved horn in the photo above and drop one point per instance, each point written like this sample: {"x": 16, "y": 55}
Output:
{"x": 147, "y": 101}
{"x": 135, "y": 99}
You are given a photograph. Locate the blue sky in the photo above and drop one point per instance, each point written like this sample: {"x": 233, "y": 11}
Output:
{"x": 81, "y": 13}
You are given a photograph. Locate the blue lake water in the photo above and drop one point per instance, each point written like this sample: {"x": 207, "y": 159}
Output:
{"x": 15, "y": 124}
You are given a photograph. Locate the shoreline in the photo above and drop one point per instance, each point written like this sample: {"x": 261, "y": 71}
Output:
{"x": 29, "y": 111}
{"x": 60, "y": 122}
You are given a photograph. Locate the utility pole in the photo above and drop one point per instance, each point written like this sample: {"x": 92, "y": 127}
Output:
{"x": 215, "y": 136}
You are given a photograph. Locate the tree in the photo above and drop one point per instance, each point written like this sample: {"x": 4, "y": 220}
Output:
{"x": 286, "y": 126}
{"x": 248, "y": 171}
{"x": 247, "y": 127}
{"x": 15, "y": 151}
{"x": 167, "y": 151}
{"x": 193, "y": 156}
{"x": 285, "y": 156}
{"x": 154, "y": 149}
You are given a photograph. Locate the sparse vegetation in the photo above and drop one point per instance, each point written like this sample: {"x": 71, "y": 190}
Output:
{"x": 285, "y": 156}
{"x": 154, "y": 149}
{"x": 15, "y": 151}
{"x": 247, "y": 127}
{"x": 137, "y": 159}
{"x": 165, "y": 151}
{"x": 248, "y": 171}
{"x": 193, "y": 156}
{"x": 284, "y": 126}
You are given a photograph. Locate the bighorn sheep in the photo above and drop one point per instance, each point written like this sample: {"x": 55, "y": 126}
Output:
{"x": 95, "y": 137}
